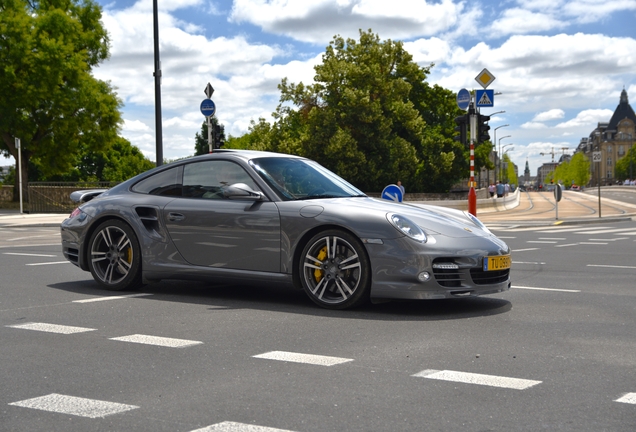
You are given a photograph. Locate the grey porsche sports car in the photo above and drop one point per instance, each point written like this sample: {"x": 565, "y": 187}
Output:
{"x": 248, "y": 216}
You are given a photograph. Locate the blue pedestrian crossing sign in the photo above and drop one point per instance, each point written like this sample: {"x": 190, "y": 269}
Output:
{"x": 392, "y": 193}
{"x": 485, "y": 98}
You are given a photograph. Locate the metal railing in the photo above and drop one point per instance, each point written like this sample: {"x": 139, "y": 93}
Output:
{"x": 54, "y": 197}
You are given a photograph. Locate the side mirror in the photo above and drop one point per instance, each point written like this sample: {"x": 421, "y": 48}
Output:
{"x": 241, "y": 191}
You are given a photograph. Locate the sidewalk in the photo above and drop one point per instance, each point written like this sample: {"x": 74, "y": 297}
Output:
{"x": 531, "y": 208}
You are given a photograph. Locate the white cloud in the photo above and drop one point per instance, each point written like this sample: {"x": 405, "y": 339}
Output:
{"x": 533, "y": 125}
{"x": 552, "y": 114}
{"x": 520, "y": 21}
{"x": 588, "y": 118}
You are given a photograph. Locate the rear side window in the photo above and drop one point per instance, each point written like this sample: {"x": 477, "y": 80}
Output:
{"x": 164, "y": 183}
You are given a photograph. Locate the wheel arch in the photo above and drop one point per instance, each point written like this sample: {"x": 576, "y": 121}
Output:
{"x": 91, "y": 230}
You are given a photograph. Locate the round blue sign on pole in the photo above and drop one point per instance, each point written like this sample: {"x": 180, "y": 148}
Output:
{"x": 207, "y": 107}
{"x": 392, "y": 193}
{"x": 463, "y": 99}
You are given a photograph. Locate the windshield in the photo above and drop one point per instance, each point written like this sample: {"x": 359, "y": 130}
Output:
{"x": 297, "y": 179}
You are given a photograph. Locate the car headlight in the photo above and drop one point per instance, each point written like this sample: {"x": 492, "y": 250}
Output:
{"x": 477, "y": 222}
{"x": 407, "y": 227}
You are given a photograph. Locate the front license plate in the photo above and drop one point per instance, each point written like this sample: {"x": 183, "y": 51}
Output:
{"x": 501, "y": 262}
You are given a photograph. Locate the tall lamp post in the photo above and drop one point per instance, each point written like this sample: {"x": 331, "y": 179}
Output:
{"x": 495, "y": 141}
{"x": 505, "y": 177}
{"x": 499, "y": 156}
{"x": 157, "y": 75}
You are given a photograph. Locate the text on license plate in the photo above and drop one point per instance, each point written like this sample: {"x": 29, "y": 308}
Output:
{"x": 501, "y": 262}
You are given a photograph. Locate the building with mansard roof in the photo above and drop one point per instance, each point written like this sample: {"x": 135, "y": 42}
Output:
{"x": 611, "y": 141}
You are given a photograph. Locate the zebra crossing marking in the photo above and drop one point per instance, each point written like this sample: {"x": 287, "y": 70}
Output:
{"x": 76, "y": 406}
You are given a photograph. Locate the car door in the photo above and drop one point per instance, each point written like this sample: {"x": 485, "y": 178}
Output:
{"x": 213, "y": 231}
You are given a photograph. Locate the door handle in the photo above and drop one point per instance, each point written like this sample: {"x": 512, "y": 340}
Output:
{"x": 175, "y": 217}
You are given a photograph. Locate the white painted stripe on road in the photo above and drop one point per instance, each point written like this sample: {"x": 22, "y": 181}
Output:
{"x": 567, "y": 245}
{"x": 52, "y": 328}
{"x": 609, "y": 240}
{"x": 27, "y": 254}
{"x": 525, "y": 250}
{"x": 238, "y": 427}
{"x": 29, "y": 245}
{"x": 479, "y": 379}
{"x": 72, "y": 405}
{"x": 49, "y": 263}
{"x": 552, "y": 238}
{"x": 159, "y": 341}
{"x": 99, "y": 299}
{"x": 592, "y": 243}
{"x": 541, "y": 241}
{"x": 528, "y": 262}
{"x": 611, "y": 266}
{"x": 629, "y": 398}
{"x": 37, "y": 236}
{"x": 546, "y": 289}
{"x": 303, "y": 358}
{"x": 607, "y": 231}
{"x": 510, "y": 237}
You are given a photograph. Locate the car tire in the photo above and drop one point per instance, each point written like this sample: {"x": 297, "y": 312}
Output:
{"x": 114, "y": 256}
{"x": 334, "y": 270}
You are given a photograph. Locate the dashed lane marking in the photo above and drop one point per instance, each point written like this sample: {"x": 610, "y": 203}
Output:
{"x": 158, "y": 341}
{"x": 525, "y": 250}
{"x": 28, "y": 254}
{"x": 72, "y": 405}
{"x": 479, "y": 379}
{"x": 611, "y": 266}
{"x": 99, "y": 299}
{"x": 546, "y": 289}
{"x": 52, "y": 328}
{"x": 49, "y": 263}
{"x": 228, "y": 426}
{"x": 629, "y": 398}
{"x": 303, "y": 358}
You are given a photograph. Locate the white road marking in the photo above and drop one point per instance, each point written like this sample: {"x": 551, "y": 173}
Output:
{"x": 629, "y": 398}
{"x": 303, "y": 358}
{"x": 98, "y": 299}
{"x": 72, "y": 405}
{"x": 227, "y": 426}
{"x": 552, "y": 238}
{"x": 541, "y": 241}
{"x": 546, "y": 289}
{"x": 52, "y": 328}
{"x": 159, "y": 341}
{"x": 609, "y": 240}
{"x": 567, "y": 245}
{"x": 28, "y": 245}
{"x": 592, "y": 243}
{"x": 611, "y": 266}
{"x": 49, "y": 263}
{"x": 528, "y": 262}
{"x": 27, "y": 254}
{"x": 502, "y": 237}
{"x": 607, "y": 231}
{"x": 480, "y": 379}
{"x": 525, "y": 250}
{"x": 37, "y": 236}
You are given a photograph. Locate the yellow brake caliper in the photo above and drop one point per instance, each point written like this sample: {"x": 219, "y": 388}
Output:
{"x": 321, "y": 256}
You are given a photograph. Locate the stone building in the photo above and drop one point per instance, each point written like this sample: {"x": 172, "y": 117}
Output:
{"x": 613, "y": 140}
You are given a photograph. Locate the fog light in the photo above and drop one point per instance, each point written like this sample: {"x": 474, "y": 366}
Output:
{"x": 424, "y": 276}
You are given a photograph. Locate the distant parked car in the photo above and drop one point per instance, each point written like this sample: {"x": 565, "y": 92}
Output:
{"x": 575, "y": 187}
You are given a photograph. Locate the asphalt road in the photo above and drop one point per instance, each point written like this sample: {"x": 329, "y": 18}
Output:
{"x": 556, "y": 352}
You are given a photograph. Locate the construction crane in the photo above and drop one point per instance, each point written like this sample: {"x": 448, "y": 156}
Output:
{"x": 563, "y": 149}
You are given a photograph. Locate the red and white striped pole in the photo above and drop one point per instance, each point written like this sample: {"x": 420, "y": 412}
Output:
{"x": 472, "y": 195}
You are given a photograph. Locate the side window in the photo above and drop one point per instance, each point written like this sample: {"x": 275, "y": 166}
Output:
{"x": 206, "y": 179}
{"x": 164, "y": 183}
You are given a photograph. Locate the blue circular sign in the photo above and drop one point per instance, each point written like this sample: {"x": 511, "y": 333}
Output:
{"x": 207, "y": 107}
{"x": 392, "y": 193}
{"x": 463, "y": 99}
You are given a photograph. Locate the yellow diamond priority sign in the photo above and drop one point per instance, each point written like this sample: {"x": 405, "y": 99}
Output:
{"x": 485, "y": 78}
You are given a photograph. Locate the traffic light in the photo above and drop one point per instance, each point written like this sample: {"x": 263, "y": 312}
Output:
{"x": 218, "y": 139}
{"x": 461, "y": 128}
{"x": 483, "y": 128}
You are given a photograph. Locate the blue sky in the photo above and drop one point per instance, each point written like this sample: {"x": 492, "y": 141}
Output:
{"x": 560, "y": 65}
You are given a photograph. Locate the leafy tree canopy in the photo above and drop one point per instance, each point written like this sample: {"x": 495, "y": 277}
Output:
{"x": 48, "y": 97}
{"x": 371, "y": 117}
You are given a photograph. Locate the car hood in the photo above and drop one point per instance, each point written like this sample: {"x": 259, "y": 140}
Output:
{"x": 432, "y": 219}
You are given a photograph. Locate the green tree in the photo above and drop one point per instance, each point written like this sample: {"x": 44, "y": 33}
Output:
{"x": 371, "y": 117}
{"x": 48, "y": 97}
{"x": 626, "y": 166}
{"x": 201, "y": 145}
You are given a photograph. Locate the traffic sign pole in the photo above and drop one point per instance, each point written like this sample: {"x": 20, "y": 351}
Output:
{"x": 472, "y": 195}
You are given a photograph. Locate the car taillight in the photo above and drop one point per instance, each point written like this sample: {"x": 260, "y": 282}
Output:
{"x": 75, "y": 212}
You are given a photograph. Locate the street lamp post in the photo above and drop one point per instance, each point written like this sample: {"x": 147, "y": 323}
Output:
{"x": 499, "y": 156}
{"x": 505, "y": 177}
{"x": 495, "y": 141}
